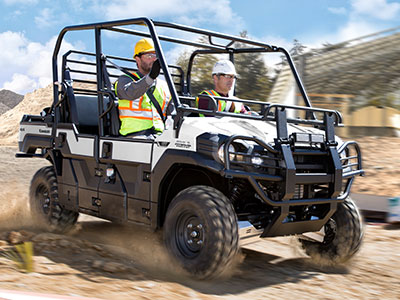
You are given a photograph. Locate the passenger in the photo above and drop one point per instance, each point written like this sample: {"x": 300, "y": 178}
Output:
{"x": 224, "y": 76}
{"x": 137, "y": 111}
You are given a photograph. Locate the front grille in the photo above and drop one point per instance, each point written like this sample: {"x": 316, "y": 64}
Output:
{"x": 310, "y": 161}
{"x": 309, "y": 171}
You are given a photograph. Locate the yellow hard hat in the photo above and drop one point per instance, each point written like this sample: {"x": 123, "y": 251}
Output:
{"x": 144, "y": 46}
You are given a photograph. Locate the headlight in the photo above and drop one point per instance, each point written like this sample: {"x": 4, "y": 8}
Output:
{"x": 234, "y": 153}
{"x": 221, "y": 152}
{"x": 256, "y": 160}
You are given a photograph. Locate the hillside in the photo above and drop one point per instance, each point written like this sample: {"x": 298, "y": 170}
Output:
{"x": 3, "y": 108}
{"x": 9, "y": 100}
{"x": 32, "y": 103}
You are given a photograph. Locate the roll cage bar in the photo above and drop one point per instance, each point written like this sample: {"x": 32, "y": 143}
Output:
{"x": 212, "y": 48}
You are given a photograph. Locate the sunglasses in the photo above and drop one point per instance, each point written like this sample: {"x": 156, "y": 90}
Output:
{"x": 148, "y": 55}
{"x": 227, "y": 76}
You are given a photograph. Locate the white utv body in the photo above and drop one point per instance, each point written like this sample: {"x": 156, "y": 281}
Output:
{"x": 210, "y": 183}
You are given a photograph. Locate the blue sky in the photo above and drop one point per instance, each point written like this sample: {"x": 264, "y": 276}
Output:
{"x": 28, "y": 28}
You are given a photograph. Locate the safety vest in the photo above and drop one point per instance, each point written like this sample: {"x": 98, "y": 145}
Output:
{"x": 139, "y": 114}
{"x": 222, "y": 105}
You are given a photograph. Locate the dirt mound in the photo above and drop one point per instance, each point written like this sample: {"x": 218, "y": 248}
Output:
{"x": 381, "y": 162}
{"x": 33, "y": 103}
{"x": 3, "y": 108}
{"x": 8, "y": 100}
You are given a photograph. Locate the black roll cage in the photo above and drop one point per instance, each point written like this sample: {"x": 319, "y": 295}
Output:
{"x": 267, "y": 112}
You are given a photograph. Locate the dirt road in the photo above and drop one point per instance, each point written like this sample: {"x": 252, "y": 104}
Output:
{"x": 108, "y": 261}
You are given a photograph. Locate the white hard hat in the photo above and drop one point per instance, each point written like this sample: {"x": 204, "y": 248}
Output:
{"x": 224, "y": 67}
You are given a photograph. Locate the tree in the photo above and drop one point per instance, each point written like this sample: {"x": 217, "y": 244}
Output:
{"x": 253, "y": 82}
{"x": 201, "y": 70}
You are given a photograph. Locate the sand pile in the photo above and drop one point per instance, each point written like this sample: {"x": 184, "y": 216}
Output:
{"x": 33, "y": 103}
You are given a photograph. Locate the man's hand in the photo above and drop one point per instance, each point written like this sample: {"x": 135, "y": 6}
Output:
{"x": 155, "y": 69}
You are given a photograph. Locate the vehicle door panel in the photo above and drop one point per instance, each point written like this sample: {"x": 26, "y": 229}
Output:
{"x": 125, "y": 195}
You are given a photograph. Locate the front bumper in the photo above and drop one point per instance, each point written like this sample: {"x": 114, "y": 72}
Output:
{"x": 340, "y": 165}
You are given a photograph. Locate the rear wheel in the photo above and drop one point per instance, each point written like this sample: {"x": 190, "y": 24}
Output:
{"x": 44, "y": 202}
{"x": 200, "y": 231}
{"x": 344, "y": 233}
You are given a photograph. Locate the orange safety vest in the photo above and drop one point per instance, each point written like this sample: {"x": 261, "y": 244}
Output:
{"x": 221, "y": 103}
{"x": 140, "y": 114}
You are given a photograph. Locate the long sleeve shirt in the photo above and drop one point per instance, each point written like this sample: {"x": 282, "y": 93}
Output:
{"x": 130, "y": 89}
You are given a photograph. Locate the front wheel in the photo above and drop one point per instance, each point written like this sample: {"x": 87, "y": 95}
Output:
{"x": 44, "y": 202}
{"x": 344, "y": 233}
{"x": 200, "y": 231}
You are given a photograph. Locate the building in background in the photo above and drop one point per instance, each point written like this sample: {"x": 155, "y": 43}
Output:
{"x": 360, "y": 78}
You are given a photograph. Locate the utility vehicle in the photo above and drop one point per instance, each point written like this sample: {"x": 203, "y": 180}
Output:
{"x": 210, "y": 183}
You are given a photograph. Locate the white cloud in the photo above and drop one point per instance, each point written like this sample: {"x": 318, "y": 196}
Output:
{"x": 350, "y": 30}
{"x": 379, "y": 9}
{"x": 354, "y": 29}
{"x": 77, "y": 5}
{"x": 16, "y": 13}
{"x": 26, "y": 65}
{"x": 274, "y": 41}
{"x": 45, "y": 18}
{"x": 337, "y": 10}
{"x": 20, "y": 83}
{"x": 22, "y": 2}
{"x": 364, "y": 17}
{"x": 11, "y": 47}
{"x": 216, "y": 12}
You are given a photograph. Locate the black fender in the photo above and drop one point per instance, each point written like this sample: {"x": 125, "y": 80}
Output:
{"x": 167, "y": 161}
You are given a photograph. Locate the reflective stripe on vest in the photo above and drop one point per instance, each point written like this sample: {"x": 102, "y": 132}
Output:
{"x": 221, "y": 103}
{"x": 139, "y": 114}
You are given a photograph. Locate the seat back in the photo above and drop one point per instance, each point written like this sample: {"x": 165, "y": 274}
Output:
{"x": 85, "y": 115}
